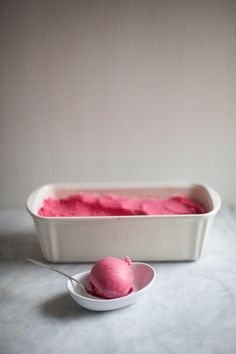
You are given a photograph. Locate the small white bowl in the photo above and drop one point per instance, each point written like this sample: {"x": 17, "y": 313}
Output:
{"x": 144, "y": 275}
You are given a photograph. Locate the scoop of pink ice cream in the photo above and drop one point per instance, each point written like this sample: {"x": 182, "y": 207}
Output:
{"x": 111, "y": 277}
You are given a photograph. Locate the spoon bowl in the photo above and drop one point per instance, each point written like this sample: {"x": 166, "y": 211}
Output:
{"x": 144, "y": 276}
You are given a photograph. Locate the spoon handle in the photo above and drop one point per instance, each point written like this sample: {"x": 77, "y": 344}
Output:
{"x": 54, "y": 269}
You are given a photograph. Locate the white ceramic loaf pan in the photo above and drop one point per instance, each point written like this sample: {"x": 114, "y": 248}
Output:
{"x": 148, "y": 238}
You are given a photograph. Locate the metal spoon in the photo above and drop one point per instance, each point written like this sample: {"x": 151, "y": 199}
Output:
{"x": 58, "y": 271}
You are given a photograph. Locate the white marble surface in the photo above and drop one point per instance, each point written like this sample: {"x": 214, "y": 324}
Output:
{"x": 190, "y": 309}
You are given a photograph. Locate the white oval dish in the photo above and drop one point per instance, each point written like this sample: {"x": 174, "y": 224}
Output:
{"x": 144, "y": 275}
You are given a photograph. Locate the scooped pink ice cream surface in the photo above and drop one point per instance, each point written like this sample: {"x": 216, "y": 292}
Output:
{"x": 86, "y": 204}
{"x": 111, "y": 277}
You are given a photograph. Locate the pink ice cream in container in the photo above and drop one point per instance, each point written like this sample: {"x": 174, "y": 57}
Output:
{"x": 155, "y": 221}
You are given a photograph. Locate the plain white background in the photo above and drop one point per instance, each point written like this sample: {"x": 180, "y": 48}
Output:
{"x": 117, "y": 91}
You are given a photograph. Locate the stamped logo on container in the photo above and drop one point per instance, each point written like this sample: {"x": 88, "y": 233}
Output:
{"x": 125, "y": 238}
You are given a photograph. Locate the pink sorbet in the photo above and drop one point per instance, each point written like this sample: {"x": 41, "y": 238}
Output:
{"x": 111, "y": 277}
{"x": 85, "y": 204}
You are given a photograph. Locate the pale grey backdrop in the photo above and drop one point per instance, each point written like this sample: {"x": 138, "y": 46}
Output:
{"x": 117, "y": 91}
